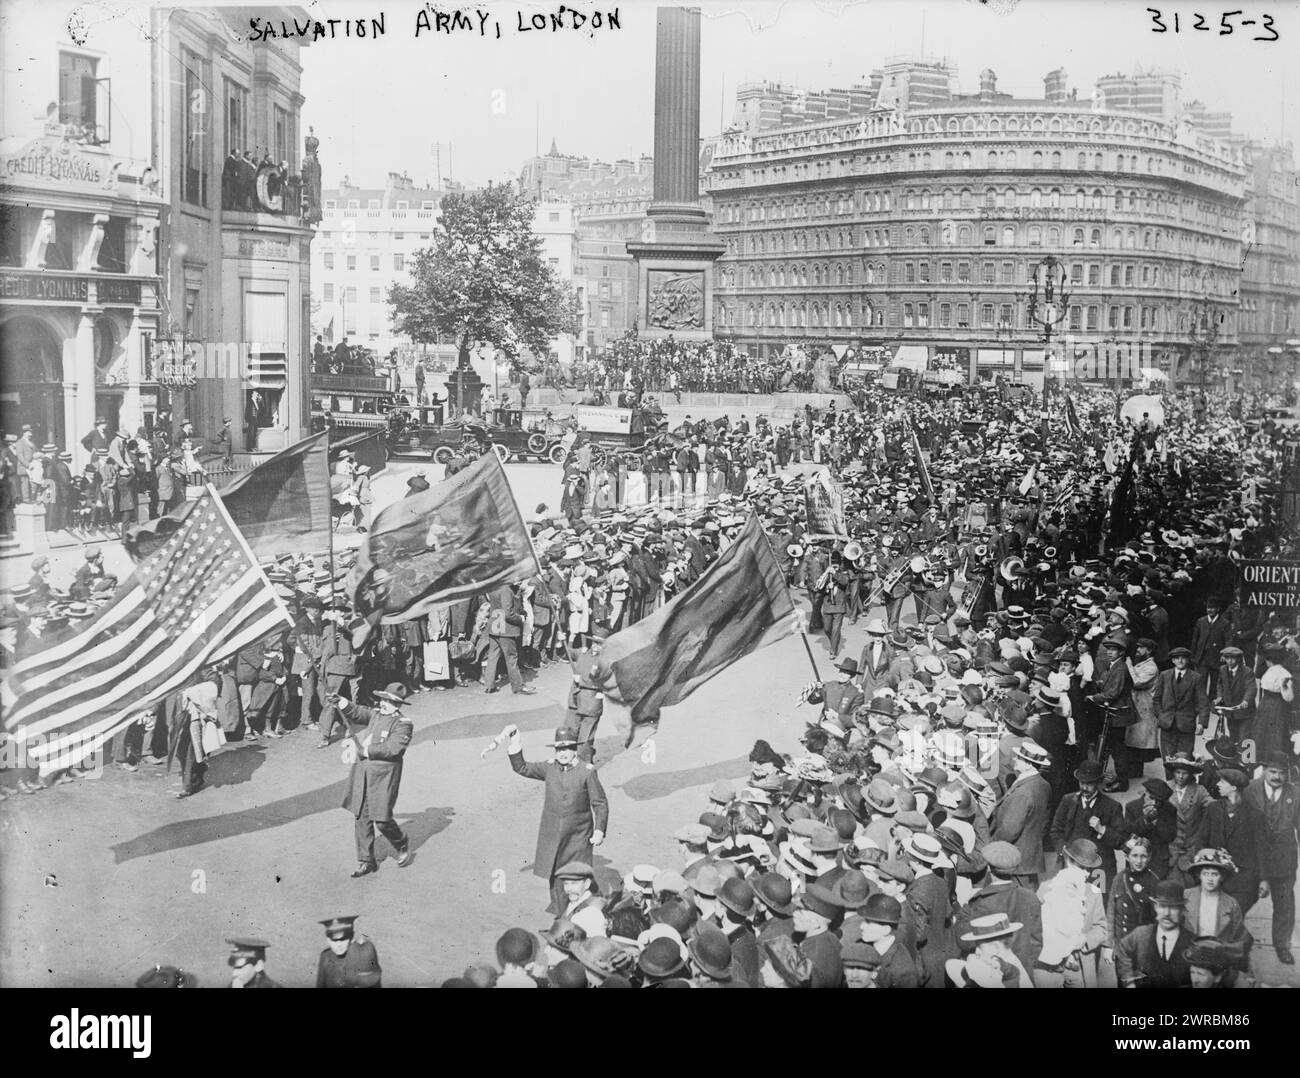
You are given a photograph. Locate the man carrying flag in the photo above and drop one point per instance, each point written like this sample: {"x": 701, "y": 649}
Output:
{"x": 922, "y": 466}
{"x": 196, "y": 601}
{"x": 728, "y": 612}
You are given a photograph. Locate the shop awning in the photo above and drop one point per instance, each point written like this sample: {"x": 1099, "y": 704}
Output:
{"x": 914, "y": 357}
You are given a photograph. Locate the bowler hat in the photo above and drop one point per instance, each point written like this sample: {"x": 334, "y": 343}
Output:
{"x": 737, "y": 896}
{"x": 1089, "y": 771}
{"x": 661, "y": 958}
{"x": 882, "y": 909}
{"x": 1169, "y": 893}
{"x": 711, "y": 951}
{"x": 1083, "y": 852}
{"x": 773, "y": 891}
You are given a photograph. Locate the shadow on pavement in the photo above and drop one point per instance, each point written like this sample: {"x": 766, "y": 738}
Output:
{"x": 653, "y": 784}
{"x": 230, "y": 768}
{"x": 419, "y": 828}
{"x": 183, "y": 833}
{"x": 488, "y": 725}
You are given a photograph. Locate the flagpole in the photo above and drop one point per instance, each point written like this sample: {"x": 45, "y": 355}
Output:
{"x": 808, "y": 648}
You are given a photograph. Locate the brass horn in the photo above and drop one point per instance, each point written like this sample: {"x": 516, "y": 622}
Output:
{"x": 980, "y": 550}
{"x": 1049, "y": 553}
{"x": 1011, "y": 568}
{"x": 853, "y": 551}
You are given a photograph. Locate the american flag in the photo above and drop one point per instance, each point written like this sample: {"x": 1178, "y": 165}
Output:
{"x": 197, "y": 600}
{"x": 1065, "y": 496}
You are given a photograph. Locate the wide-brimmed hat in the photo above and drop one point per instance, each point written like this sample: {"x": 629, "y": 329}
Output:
{"x": 974, "y": 972}
{"x": 563, "y": 934}
{"x": 877, "y": 627}
{"x": 1214, "y": 858}
{"x": 602, "y": 956}
{"x": 1182, "y": 761}
{"x": 565, "y": 738}
{"x": 394, "y": 692}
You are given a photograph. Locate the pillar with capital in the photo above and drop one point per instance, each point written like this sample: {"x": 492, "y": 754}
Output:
{"x": 676, "y": 252}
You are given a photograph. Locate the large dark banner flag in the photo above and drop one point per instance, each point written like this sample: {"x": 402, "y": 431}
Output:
{"x": 824, "y": 502}
{"x": 282, "y": 504}
{"x": 460, "y": 538}
{"x": 730, "y": 611}
{"x": 196, "y": 601}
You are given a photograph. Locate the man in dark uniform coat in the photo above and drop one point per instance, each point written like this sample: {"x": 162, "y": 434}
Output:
{"x": 248, "y": 961}
{"x": 377, "y": 773}
{"x": 350, "y": 961}
{"x": 839, "y": 698}
{"x": 575, "y": 812}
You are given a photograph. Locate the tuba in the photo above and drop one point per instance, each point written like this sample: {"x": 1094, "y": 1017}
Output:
{"x": 1011, "y": 568}
{"x": 853, "y": 552}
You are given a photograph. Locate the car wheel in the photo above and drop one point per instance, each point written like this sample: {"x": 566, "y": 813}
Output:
{"x": 503, "y": 454}
{"x": 537, "y": 444}
{"x": 442, "y": 454}
{"x": 557, "y": 454}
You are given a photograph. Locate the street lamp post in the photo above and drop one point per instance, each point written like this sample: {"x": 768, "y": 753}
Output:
{"x": 1048, "y": 304}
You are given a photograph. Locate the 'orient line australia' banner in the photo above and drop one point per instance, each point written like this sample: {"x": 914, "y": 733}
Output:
{"x": 1274, "y": 585}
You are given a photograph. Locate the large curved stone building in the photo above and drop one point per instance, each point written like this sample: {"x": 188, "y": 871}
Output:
{"x": 914, "y": 232}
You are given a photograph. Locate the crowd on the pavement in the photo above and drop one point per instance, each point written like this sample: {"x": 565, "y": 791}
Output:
{"x": 154, "y": 464}
{"x": 1059, "y": 624}
{"x": 635, "y": 364}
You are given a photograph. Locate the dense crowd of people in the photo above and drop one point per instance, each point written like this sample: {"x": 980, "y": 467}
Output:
{"x": 154, "y": 464}
{"x": 1059, "y": 623}
{"x": 634, "y": 365}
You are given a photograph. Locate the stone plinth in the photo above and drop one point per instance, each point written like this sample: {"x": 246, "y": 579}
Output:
{"x": 675, "y": 260}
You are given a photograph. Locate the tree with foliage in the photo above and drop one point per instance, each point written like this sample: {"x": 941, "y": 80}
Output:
{"x": 484, "y": 279}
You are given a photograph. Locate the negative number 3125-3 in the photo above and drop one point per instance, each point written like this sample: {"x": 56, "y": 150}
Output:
{"x": 1226, "y": 25}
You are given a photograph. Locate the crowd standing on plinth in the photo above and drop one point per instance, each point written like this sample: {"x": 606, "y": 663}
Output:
{"x": 635, "y": 365}
{"x": 1047, "y": 627}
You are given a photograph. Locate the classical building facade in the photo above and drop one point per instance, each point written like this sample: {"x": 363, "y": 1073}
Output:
{"x": 914, "y": 232}
{"x": 80, "y": 293}
{"x": 237, "y": 245}
{"x": 368, "y": 242}
{"x": 1270, "y": 278}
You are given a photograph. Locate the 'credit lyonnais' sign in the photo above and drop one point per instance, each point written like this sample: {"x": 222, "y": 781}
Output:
{"x": 1270, "y": 584}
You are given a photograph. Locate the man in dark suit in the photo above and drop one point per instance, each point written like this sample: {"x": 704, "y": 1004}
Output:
{"x": 1093, "y": 815}
{"x": 1115, "y": 695}
{"x": 338, "y": 669}
{"x": 376, "y": 775}
{"x": 574, "y": 814}
{"x": 1021, "y": 817}
{"x": 835, "y": 601}
{"x": 1278, "y": 801}
{"x": 505, "y": 627}
{"x": 1211, "y": 634}
{"x": 1152, "y": 956}
{"x": 1180, "y": 703}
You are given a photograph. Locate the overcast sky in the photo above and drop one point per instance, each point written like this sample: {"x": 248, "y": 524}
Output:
{"x": 381, "y": 104}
